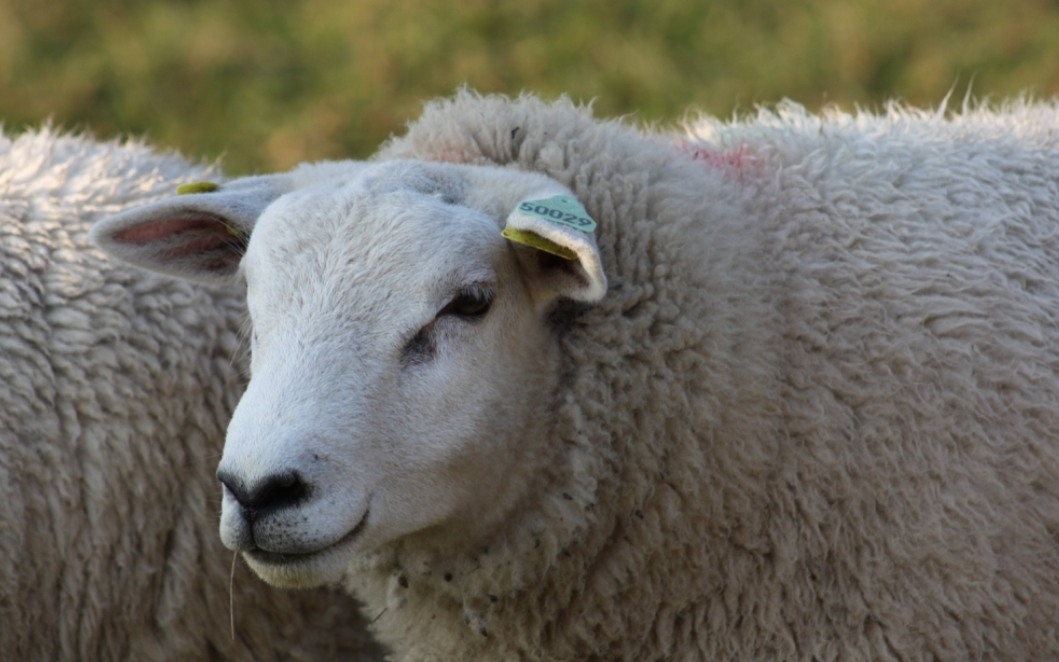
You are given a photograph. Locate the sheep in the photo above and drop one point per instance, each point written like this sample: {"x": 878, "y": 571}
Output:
{"x": 537, "y": 386}
{"x": 115, "y": 390}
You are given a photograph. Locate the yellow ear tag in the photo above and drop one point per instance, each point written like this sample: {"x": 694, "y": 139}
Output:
{"x": 197, "y": 187}
{"x": 538, "y": 242}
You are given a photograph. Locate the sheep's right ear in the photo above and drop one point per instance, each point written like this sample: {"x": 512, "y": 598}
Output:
{"x": 201, "y": 234}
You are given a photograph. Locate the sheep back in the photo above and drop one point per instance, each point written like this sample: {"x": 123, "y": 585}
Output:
{"x": 815, "y": 417}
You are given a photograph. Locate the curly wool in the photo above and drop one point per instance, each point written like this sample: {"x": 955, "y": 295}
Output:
{"x": 115, "y": 388}
{"x": 814, "y": 417}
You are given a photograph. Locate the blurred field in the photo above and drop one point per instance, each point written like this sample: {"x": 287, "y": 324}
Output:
{"x": 268, "y": 83}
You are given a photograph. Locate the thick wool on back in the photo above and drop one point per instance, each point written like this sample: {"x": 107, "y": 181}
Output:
{"x": 115, "y": 390}
{"x": 816, "y": 416}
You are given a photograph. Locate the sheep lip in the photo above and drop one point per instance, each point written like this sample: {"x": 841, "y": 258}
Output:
{"x": 285, "y": 558}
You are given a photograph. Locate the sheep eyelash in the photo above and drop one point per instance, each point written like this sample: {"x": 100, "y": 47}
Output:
{"x": 422, "y": 346}
{"x": 471, "y": 303}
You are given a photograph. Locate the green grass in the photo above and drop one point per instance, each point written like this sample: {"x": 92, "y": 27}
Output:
{"x": 268, "y": 83}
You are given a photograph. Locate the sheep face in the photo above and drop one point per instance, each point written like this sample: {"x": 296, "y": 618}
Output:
{"x": 398, "y": 358}
{"x": 401, "y": 360}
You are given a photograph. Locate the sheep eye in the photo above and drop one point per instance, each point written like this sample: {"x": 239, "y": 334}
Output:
{"x": 470, "y": 303}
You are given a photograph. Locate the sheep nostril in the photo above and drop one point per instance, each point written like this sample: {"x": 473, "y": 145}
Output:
{"x": 278, "y": 491}
{"x": 273, "y": 492}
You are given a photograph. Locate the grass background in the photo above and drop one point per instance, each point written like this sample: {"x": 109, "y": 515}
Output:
{"x": 269, "y": 83}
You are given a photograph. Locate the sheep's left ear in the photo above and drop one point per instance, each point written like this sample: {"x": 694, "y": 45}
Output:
{"x": 200, "y": 234}
{"x": 563, "y": 238}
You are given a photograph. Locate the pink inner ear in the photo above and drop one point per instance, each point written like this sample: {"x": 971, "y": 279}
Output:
{"x": 570, "y": 268}
{"x": 151, "y": 232}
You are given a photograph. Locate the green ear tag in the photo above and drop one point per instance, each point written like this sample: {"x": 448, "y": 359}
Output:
{"x": 197, "y": 187}
{"x": 538, "y": 242}
{"x": 560, "y": 209}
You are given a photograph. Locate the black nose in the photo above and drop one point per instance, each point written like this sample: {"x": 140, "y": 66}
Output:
{"x": 273, "y": 492}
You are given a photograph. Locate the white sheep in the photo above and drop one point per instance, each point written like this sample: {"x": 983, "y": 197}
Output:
{"x": 813, "y": 416}
{"x": 115, "y": 389}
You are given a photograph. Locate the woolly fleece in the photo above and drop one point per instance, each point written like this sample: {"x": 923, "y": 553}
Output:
{"x": 115, "y": 389}
{"x": 816, "y": 416}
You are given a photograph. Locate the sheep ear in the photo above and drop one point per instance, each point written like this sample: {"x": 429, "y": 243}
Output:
{"x": 200, "y": 234}
{"x": 562, "y": 236}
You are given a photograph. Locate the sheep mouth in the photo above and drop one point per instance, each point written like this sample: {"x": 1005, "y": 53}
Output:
{"x": 266, "y": 557}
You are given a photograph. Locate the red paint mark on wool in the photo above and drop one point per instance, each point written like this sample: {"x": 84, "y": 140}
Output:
{"x": 737, "y": 159}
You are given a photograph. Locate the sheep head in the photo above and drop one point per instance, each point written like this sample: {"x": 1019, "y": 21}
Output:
{"x": 401, "y": 356}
